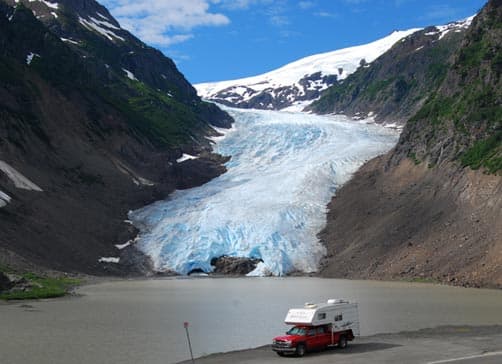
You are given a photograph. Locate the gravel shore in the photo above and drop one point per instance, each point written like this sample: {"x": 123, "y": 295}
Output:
{"x": 447, "y": 344}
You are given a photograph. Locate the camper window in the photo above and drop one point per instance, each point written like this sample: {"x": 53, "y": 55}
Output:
{"x": 339, "y": 317}
{"x": 321, "y": 316}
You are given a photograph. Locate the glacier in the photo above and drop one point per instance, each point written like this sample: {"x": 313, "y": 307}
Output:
{"x": 270, "y": 205}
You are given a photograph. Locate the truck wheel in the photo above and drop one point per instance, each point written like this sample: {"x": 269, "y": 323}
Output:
{"x": 342, "y": 342}
{"x": 280, "y": 353}
{"x": 300, "y": 350}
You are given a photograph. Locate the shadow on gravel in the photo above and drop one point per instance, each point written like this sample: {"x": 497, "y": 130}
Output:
{"x": 264, "y": 354}
{"x": 358, "y": 348}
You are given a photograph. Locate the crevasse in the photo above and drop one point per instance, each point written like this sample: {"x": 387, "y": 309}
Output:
{"x": 271, "y": 203}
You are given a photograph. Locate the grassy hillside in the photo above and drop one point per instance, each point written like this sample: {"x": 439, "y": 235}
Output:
{"x": 397, "y": 84}
{"x": 462, "y": 119}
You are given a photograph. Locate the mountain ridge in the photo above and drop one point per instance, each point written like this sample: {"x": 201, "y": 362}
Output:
{"x": 301, "y": 80}
{"x": 297, "y": 84}
{"x": 432, "y": 206}
{"x": 396, "y": 85}
{"x": 86, "y": 121}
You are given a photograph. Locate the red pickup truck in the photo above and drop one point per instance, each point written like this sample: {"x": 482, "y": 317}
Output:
{"x": 300, "y": 339}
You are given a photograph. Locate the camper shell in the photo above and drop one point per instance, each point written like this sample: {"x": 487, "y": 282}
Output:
{"x": 318, "y": 326}
{"x": 339, "y": 313}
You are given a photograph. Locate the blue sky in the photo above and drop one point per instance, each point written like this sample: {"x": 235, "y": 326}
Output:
{"x": 215, "y": 40}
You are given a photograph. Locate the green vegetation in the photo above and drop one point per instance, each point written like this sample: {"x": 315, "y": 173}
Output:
{"x": 437, "y": 71}
{"x": 396, "y": 83}
{"x": 485, "y": 153}
{"x": 414, "y": 158}
{"x": 163, "y": 111}
{"x": 376, "y": 87}
{"x": 435, "y": 110}
{"x": 153, "y": 114}
{"x": 39, "y": 287}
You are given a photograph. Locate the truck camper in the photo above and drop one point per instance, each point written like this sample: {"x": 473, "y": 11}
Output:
{"x": 317, "y": 326}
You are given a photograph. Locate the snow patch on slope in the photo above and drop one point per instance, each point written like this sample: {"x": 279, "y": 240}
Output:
{"x": 185, "y": 157}
{"x": 17, "y": 178}
{"x": 114, "y": 260}
{"x": 457, "y": 26}
{"x": 4, "y": 199}
{"x": 130, "y": 75}
{"x": 30, "y": 56}
{"x": 101, "y": 27}
{"x": 47, "y": 3}
{"x": 50, "y": 5}
{"x": 67, "y": 40}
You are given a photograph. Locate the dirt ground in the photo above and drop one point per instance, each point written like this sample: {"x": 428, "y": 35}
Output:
{"x": 413, "y": 222}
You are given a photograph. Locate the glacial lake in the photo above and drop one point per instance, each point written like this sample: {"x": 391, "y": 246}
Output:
{"x": 141, "y": 321}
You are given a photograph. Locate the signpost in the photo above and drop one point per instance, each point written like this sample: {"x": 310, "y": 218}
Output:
{"x": 185, "y": 325}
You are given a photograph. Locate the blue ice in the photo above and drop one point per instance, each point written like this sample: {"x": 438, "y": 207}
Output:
{"x": 271, "y": 203}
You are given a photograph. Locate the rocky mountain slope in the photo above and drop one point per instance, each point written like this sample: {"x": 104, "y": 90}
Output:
{"x": 299, "y": 82}
{"x": 93, "y": 123}
{"x": 396, "y": 85}
{"x": 432, "y": 207}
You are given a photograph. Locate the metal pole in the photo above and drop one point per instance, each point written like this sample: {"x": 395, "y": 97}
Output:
{"x": 185, "y": 324}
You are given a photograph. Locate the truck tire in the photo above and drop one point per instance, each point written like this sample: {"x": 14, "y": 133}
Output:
{"x": 300, "y": 350}
{"x": 280, "y": 353}
{"x": 342, "y": 342}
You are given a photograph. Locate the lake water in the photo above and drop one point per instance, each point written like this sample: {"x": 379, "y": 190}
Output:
{"x": 142, "y": 321}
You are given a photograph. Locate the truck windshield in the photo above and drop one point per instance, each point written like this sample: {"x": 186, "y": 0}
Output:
{"x": 296, "y": 331}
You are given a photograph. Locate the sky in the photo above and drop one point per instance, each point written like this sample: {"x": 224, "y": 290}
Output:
{"x": 216, "y": 40}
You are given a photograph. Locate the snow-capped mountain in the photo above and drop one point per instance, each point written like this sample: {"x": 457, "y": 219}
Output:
{"x": 397, "y": 84}
{"x": 298, "y": 82}
{"x": 301, "y": 82}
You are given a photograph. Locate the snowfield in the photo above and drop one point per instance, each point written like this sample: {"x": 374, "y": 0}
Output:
{"x": 340, "y": 62}
{"x": 271, "y": 203}
{"x": 297, "y": 84}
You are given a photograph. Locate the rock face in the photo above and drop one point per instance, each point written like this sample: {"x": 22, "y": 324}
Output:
{"x": 412, "y": 222}
{"x": 5, "y": 283}
{"x": 275, "y": 98}
{"x": 92, "y": 124}
{"x": 234, "y": 265}
{"x": 431, "y": 208}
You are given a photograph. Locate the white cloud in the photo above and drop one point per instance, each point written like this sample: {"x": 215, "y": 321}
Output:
{"x": 325, "y": 14}
{"x": 164, "y": 22}
{"x": 279, "y": 20}
{"x": 306, "y": 4}
{"x": 277, "y": 13}
{"x": 241, "y": 4}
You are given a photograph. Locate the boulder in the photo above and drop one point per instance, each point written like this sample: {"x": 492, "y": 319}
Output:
{"x": 234, "y": 265}
{"x": 5, "y": 282}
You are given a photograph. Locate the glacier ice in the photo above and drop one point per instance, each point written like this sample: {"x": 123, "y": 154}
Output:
{"x": 271, "y": 203}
